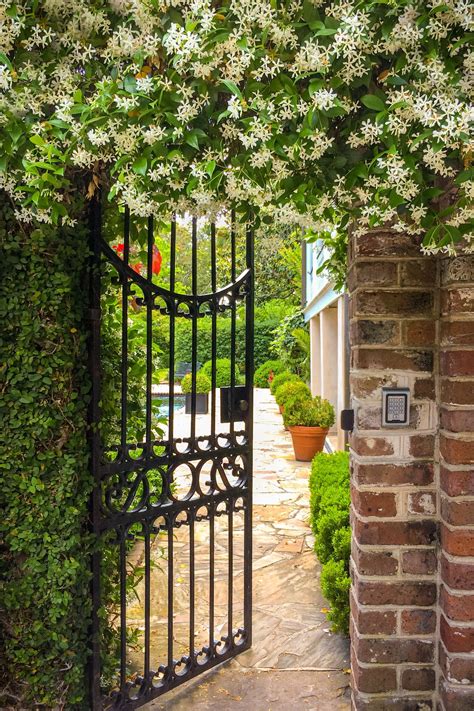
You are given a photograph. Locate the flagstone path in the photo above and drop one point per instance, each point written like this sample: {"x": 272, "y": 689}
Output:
{"x": 295, "y": 661}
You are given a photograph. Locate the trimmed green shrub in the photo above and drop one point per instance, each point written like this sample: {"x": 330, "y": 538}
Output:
{"x": 263, "y": 372}
{"x": 285, "y": 377}
{"x": 335, "y": 585}
{"x": 316, "y": 412}
{"x": 203, "y": 384}
{"x": 263, "y": 335}
{"x": 329, "y": 518}
{"x": 290, "y": 391}
{"x": 223, "y": 372}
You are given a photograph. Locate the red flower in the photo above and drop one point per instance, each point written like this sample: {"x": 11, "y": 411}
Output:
{"x": 118, "y": 247}
{"x": 156, "y": 260}
{"x": 137, "y": 267}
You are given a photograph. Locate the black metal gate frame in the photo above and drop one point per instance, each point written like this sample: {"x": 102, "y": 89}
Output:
{"x": 125, "y": 474}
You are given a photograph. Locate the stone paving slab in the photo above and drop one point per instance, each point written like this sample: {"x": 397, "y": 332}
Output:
{"x": 229, "y": 689}
{"x": 295, "y": 661}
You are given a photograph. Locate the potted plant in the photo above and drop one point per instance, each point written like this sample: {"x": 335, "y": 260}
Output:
{"x": 291, "y": 390}
{"x": 203, "y": 387}
{"x": 281, "y": 378}
{"x": 308, "y": 421}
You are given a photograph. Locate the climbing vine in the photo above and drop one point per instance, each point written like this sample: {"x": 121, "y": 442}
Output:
{"x": 45, "y": 483}
{"x": 316, "y": 111}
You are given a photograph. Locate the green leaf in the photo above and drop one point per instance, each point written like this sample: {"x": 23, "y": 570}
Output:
{"x": 192, "y": 140}
{"x": 233, "y": 88}
{"x": 140, "y": 165}
{"x": 210, "y": 167}
{"x": 37, "y": 140}
{"x": 373, "y": 102}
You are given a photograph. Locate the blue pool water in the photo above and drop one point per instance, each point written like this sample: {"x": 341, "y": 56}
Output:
{"x": 179, "y": 401}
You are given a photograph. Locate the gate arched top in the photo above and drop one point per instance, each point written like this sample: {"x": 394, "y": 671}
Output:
{"x": 147, "y": 285}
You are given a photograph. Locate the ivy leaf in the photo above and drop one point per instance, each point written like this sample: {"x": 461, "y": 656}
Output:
{"x": 140, "y": 165}
{"x": 373, "y": 102}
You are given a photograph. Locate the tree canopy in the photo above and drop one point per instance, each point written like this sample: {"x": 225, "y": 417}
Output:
{"x": 303, "y": 112}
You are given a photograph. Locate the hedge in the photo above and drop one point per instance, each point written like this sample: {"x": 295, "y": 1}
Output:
{"x": 263, "y": 335}
{"x": 45, "y": 488}
{"x": 329, "y": 518}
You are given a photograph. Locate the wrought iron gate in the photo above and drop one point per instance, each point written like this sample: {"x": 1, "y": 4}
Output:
{"x": 174, "y": 506}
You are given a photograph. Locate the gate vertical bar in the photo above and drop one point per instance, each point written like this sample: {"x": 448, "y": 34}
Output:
{"x": 249, "y": 370}
{"x": 95, "y": 447}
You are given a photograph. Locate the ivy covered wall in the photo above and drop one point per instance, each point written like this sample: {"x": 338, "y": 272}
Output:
{"x": 45, "y": 484}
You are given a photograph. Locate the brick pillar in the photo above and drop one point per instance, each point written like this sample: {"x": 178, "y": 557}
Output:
{"x": 393, "y": 311}
{"x": 456, "y": 646}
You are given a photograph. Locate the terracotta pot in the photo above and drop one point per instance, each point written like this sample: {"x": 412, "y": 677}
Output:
{"x": 307, "y": 441}
{"x": 281, "y": 409}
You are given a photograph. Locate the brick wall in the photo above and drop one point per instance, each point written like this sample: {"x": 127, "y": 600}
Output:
{"x": 456, "y": 643}
{"x": 405, "y": 480}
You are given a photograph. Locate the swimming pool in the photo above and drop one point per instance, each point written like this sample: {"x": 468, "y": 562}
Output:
{"x": 178, "y": 404}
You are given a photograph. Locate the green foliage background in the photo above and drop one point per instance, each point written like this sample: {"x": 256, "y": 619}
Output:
{"x": 45, "y": 484}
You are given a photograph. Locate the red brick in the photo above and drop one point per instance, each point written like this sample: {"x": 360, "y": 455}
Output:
{"x": 393, "y": 303}
{"x": 458, "y": 300}
{"x": 395, "y": 533}
{"x": 369, "y": 418}
{"x": 393, "y": 651}
{"x": 456, "y": 669}
{"x": 369, "y": 503}
{"x": 374, "y": 563}
{"x": 455, "y": 638}
{"x": 457, "y": 362}
{"x": 419, "y": 562}
{"x": 419, "y": 333}
{"x": 363, "y": 386}
{"x": 391, "y": 703}
{"x": 457, "y": 420}
{"x": 424, "y": 389}
{"x": 418, "y": 679}
{"x": 386, "y": 243}
{"x": 422, "y": 445}
{"x": 399, "y": 593}
{"x": 418, "y": 621}
{"x": 457, "y": 451}
{"x": 365, "y": 332}
{"x": 457, "y": 513}
{"x": 374, "y": 622}
{"x": 457, "y": 392}
{"x": 415, "y": 474}
{"x": 423, "y": 502}
{"x": 457, "y": 483}
{"x": 457, "y": 542}
{"x": 421, "y": 272}
{"x": 458, "y": 576}
{"x": 374, "y": 680}
{"x": 457, "y": 698}
{"x": 457, "y": 607}
{"x": 457, "y": 333}
{"x": 373, "y": 273}
{"x": 392, "y": 359}
{"x": 371, "y": 446}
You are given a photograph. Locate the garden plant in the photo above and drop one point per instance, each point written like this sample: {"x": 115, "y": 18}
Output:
{"x": 329, "y": 518}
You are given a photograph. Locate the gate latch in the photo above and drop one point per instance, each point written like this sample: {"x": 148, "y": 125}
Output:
{"x": 234, "y": 407}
